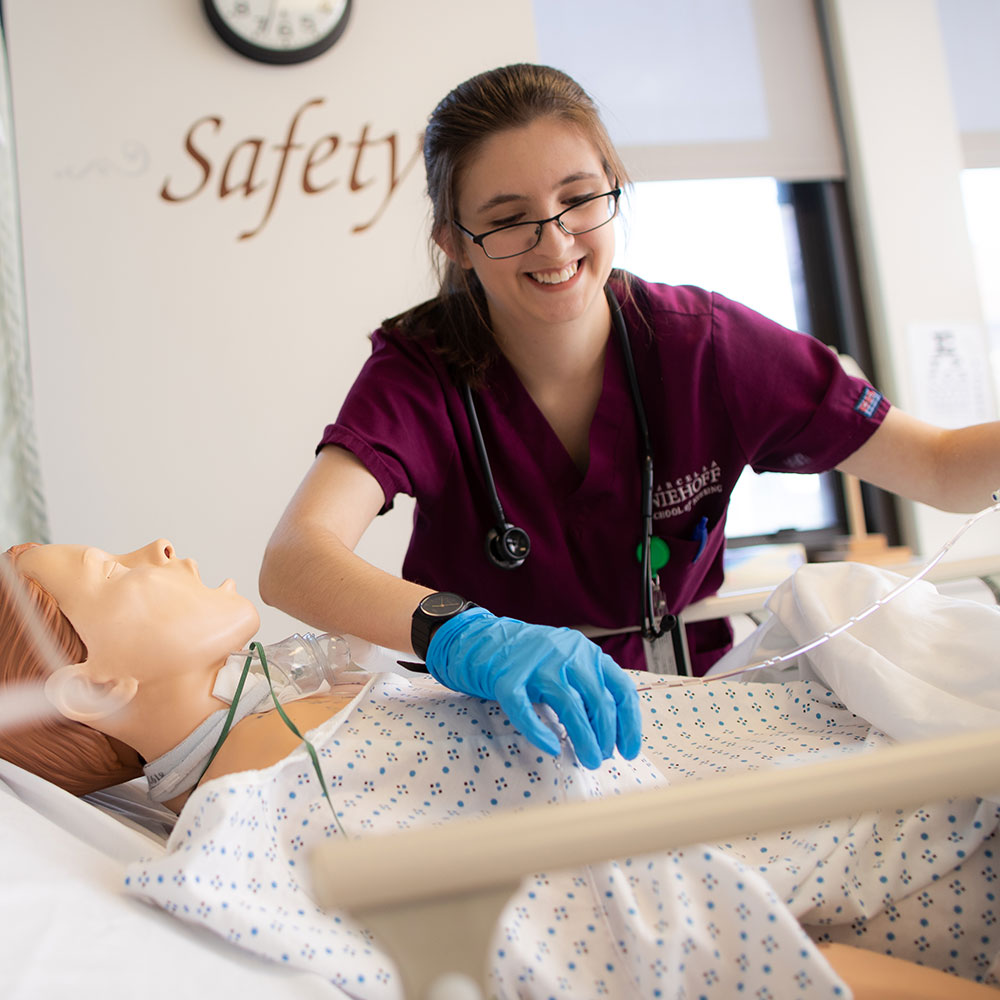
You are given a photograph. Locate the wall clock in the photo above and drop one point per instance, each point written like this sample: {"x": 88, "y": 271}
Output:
{"x": 279, "y": 31}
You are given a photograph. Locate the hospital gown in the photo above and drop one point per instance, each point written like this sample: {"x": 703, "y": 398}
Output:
{"x": 405, "y": 753}
{"x": 918, "y": 884}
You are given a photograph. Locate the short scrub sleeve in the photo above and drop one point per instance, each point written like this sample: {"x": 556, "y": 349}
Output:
{"x": 791, "y": 403}
{"x": 397, "y": 418}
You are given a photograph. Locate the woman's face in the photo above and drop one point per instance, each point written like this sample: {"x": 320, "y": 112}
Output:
{"x": 521, "y": 175}
{"x": 147, "y": 610}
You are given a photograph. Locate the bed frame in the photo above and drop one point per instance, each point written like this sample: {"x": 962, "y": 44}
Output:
{"x": 433, "y": 896}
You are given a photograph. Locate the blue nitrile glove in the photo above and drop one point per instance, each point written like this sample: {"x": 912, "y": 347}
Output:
{"x": 516, "y": 664}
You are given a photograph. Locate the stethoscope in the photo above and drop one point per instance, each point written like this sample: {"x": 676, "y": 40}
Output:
{"x": 508, "y": 546}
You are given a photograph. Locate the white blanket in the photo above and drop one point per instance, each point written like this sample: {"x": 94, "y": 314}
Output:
{"x": 923, "y": 665}
{"x": 919, "y": 885}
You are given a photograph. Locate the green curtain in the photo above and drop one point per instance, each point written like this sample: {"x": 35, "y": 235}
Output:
{"x": 22, "y": 505}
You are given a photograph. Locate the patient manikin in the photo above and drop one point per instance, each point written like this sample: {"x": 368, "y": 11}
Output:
{"x": 140, "y": 642}
{"x": 151, "y": 668}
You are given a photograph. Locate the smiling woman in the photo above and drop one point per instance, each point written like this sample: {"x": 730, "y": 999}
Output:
{"x": 599, "y": 443}
{"x": 523, "y": 180}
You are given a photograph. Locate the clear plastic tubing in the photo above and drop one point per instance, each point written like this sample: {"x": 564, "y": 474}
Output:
{"x": 870, "y": 610}
{"x": 304, "y": 662}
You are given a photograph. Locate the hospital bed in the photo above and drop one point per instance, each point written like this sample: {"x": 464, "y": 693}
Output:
{"x": 457, "y": 892}
{"x": 68, "y": 923}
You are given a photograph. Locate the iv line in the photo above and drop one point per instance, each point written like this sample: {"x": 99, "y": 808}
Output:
{"x": 870, "y": 610}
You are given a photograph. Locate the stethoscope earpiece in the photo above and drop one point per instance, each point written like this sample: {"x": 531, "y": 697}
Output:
{"x": 507, "y": 546}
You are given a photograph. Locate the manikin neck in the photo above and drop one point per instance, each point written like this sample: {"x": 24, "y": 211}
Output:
{"x": 162, "y": 714}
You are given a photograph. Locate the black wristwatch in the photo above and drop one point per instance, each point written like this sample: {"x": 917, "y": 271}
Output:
{"x": 432, "y": 612}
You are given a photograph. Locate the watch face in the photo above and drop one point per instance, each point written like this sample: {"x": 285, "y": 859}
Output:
{"x": 279, "y": 31}
{"x": 441, "y": 605}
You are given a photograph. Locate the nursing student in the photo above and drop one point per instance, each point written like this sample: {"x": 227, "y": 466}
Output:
{"x": 606, "y": 406}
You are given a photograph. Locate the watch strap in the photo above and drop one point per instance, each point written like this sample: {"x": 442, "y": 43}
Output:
{"x": 423, "y": 625}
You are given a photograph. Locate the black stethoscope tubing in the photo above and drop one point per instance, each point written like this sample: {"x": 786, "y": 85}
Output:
{"x": 668, "y": 622}
{"x": 507, "y": 546}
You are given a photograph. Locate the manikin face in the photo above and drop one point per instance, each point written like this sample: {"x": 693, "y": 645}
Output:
{"x": 144, "y": 612}
{"x": 521, "y": 175}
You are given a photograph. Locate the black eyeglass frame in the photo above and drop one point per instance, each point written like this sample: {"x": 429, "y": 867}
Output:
{"x": 540, "y": 224}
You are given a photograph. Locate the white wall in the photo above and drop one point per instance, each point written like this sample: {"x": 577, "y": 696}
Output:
{"x": 904, "y": 161}
{"x": 183, "y": 374}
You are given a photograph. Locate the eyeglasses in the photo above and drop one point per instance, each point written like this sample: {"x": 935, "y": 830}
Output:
{"x": 510, "y": 241}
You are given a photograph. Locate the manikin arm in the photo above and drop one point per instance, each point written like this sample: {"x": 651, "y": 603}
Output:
{"x": 874, "y": 976}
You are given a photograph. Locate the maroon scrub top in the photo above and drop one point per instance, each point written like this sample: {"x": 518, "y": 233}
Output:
{"x": 723, "y": 387}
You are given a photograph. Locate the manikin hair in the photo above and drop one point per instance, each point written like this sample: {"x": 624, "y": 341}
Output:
{"x": 69, "y": 754}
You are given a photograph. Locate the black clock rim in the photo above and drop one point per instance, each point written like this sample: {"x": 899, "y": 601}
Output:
{"x": 275, "y": 57}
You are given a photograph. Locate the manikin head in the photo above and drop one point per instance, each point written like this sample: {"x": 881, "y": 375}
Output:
{"x": 136, "y": 638}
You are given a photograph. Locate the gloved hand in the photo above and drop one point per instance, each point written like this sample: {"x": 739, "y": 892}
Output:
{"x": 516, "y": 664}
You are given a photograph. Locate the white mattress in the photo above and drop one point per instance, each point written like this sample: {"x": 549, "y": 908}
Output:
{"x": 70, "y": 930}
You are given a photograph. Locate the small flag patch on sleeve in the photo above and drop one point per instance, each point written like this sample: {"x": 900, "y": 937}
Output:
{"x": 868, "y": 401}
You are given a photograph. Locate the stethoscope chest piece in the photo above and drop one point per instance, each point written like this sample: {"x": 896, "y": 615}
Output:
{"x": 507, "y": 546}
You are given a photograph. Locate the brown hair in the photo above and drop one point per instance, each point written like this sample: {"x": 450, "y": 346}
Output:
{"x": 500, "y": 99}
{"x": 69, "y": 754}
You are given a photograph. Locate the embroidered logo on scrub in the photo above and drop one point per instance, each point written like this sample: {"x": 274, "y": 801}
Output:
{"x": 678, "y": 496}
{"x": 868, "y": 402}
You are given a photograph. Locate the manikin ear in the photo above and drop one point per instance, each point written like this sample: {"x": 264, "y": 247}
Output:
{"x": 75, "y": 695}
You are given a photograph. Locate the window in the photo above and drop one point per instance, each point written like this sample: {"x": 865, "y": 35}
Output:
{"x": 740, "y": 238}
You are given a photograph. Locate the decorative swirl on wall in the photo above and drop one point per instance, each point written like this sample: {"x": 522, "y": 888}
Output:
{"x": 132, "y": 161}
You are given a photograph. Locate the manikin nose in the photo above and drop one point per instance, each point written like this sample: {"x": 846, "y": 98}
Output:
{"x": 156, "y": 553}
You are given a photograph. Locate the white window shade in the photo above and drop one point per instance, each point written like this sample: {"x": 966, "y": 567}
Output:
{"x": 970, "y": 30}
{"x": 701, "y": 88}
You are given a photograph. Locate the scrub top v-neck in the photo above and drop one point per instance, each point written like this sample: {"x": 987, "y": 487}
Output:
{"x": 723, "y": 387}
